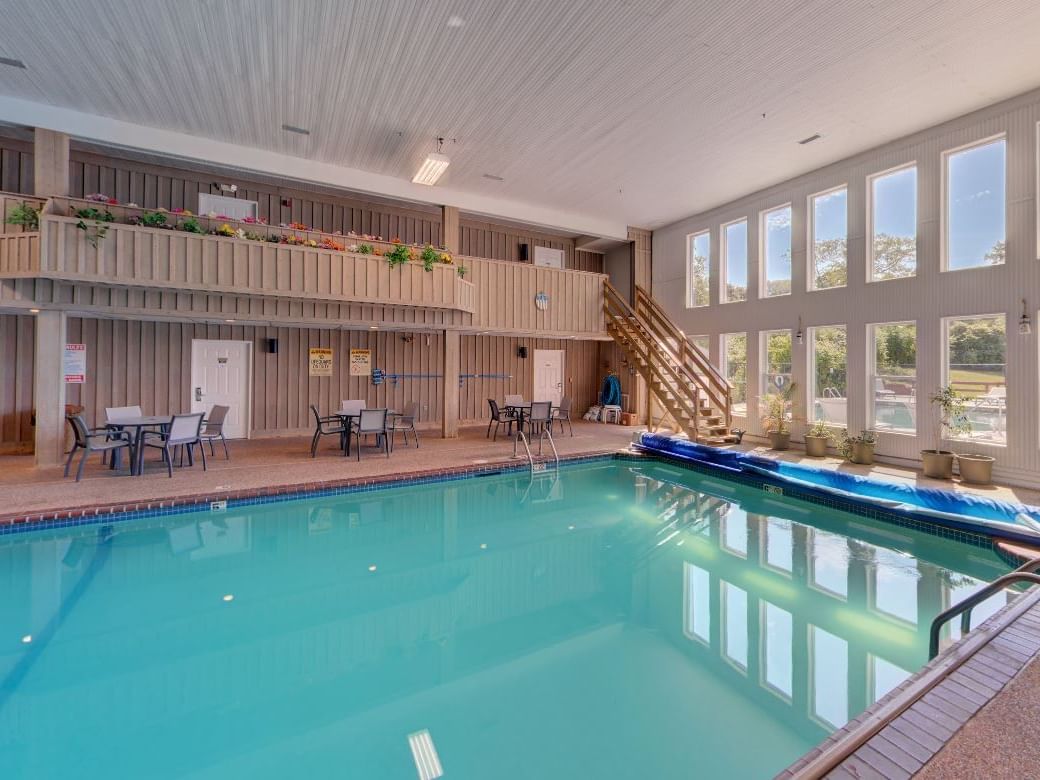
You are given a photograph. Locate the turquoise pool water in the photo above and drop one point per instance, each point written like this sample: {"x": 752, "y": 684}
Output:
{"x": 624, "y": 620}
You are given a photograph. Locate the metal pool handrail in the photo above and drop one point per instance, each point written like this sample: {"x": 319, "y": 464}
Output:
{"x": 1024, "y": 573}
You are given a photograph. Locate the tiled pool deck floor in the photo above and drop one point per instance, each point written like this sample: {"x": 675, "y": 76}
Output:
{"x": 978, "y": 722}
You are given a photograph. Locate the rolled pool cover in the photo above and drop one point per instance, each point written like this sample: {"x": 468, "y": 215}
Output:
{"x": 897, "y": 496}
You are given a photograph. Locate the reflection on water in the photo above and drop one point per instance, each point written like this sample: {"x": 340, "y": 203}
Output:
{"x": 616, "y": 621}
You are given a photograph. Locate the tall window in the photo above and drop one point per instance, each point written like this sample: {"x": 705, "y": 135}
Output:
{"x": 893, "y": 377}
{"x": 776, "y": 252}
{"x": 703, "y": 343}
{"x": 975, "y": 206}
{"x": 828, "y": 252}
{"x": 976, "y": 367}
{"x": 734, "y": 264}
{"x": 775, "y": 351}
{"x": 734, "y": 368}
{"x": 829, "y": 374}
{"x": 698, "y": 258}
{"x": 893, "y": 224}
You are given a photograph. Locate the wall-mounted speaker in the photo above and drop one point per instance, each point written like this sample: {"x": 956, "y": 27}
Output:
{"x": 272, "y": 346}
{"x": 523, "y": 253}
{"x": 522, "y": 353}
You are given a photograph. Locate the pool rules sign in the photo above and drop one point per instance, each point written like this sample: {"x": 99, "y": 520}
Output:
{"x": 74, "y": 365}
{"x": 320, "y": 361}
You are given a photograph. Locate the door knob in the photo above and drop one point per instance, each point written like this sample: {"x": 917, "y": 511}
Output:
{"x": 198, "y": 393}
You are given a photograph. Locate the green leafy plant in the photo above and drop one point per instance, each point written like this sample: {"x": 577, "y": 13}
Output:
{"x": 951, "y": 415}
{"x": 252, "y": 236}
{"x": 461, "y": 271}
{"x": 191, "y": 225}
{"x": 92, "y": 222}
{"x": 819, "y": 429}
{"x": 25, "y": 215}
{"x": 429, "y": 257}
{"x": 153, "y": 219}
{"x": 777, "y": 407}
{"x": 365, "y": 249}
{"x": 846, "y": 443}
{"x": 398, "y": 255}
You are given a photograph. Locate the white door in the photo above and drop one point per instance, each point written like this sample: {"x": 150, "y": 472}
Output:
{"x": 548, "y": 375}
{"x": 220, "y": 372}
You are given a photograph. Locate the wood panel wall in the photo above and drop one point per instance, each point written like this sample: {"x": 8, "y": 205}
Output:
{"x": 149, "y": 363}
{"x": 17, "y": 360}
{"x": 16, "y": 165}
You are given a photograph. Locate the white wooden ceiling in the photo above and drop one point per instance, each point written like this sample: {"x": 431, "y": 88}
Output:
{"x": 638, "y": 112}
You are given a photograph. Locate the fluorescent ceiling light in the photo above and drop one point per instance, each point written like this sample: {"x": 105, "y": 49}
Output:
{"x": 432, "y": 169}
{"x": 12, "y": 62}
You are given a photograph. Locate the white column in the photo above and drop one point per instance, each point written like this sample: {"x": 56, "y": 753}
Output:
{"x": 49, "y": 387}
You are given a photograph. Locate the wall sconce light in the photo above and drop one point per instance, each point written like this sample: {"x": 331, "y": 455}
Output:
{"x": 1025, "y": 326}
{"x": 799, "y": 335}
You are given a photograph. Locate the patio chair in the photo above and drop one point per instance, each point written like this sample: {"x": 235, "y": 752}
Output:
{"x": 405, "y": 423}
{"x": 371, "y": 422}
{"x": 514, "y": 400}
{"x": 541, "y": 417}
{"x": 103, "y": 440}
{"x": 498, "y": 417}
{"x": 563, "y": 412}
{"x": 184, "y": 431}
{"x": 352, "y": 407}
{"x": 327, "y": 426}
{"x": 113, "y": 414}
{"x": 214, "y": 429}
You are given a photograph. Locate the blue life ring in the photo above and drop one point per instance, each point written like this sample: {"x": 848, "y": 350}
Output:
{"x": 610, "y": 395}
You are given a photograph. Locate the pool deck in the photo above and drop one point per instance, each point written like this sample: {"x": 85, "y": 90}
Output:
{"x": 273, "y": 465}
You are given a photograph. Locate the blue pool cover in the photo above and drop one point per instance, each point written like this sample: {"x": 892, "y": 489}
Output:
{"x": 1017, "y": 521}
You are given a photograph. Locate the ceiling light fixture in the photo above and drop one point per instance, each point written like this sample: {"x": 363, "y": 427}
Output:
{"x": 810, "y": 139}
{"x": 12, "y": 62}
{"x": 295, "y": 129}
{"x": 433, "y": 166}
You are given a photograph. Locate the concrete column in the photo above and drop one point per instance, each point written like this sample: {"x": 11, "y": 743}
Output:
{"x": 49, "y": 388}
{"x": 50, "y": 163}
{"x": 451, "y": 341}
{"x": 450, "y": 228}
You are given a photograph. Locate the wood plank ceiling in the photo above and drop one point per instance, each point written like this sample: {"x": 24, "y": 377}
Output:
{"x": 636, "y": 110}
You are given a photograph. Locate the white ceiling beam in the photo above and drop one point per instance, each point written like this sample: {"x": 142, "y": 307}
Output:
{"x": 152, "y": 139}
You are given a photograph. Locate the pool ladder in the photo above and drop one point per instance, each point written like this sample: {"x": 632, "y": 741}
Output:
{"x": 1024, "y": 573}
{"x": 543, "y": 434}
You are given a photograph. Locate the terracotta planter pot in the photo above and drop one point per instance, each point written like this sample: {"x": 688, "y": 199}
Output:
{"x": 938, "y": 465}
{"x": 779, "y": 441}
{"x": 816, "y": 446}
{"x": 976, "y": 469}
{"x": 862, "y": 453}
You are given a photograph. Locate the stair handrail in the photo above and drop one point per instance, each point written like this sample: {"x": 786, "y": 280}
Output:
{"x": 611, "y": 297}
{"x": 686, "y": 347}
{"x": 1024, "y": 573}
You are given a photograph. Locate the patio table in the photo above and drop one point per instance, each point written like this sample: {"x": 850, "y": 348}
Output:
{"x": 139, "y": 424}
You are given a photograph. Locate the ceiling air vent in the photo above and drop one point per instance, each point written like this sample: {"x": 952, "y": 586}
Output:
{"x": 810, "y": 139}
{"x": 493, "y": 177}
{"x": 294, "y": 129}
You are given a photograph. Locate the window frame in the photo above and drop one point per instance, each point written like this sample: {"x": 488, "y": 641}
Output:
{"x": 872, "y": 373}
{"x": 944, "y": 346}
{"x": 810, "y": 238}
{"x": 810, "y": 370}
{"x": 870, "y": 220}
{"x": 724, "y": 261}
{"x": 763, "y": 260}
{"x": 723, "y": 363}
{"x": 690, "y": 238}
{"x": 763, "y": 356}
{"x": 944, "y": 201}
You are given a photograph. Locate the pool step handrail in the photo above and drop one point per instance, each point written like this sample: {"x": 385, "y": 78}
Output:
{"x": 1024, "y": 573}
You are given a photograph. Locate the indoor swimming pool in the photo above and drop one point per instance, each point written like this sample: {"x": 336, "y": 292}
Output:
{"x": 617, "y": 619}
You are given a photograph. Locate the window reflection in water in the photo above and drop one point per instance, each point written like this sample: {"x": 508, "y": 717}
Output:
{"x": 830, "y": 677}
{"x": 697, "y": 603}
{"x": 735, "y": 532}
{"x": 895, "y": 585}
{"x": 777, "y": 637}
{"x": 734, "y": 611}
{"x": 829, "y": 562}
{"x": 884, "y": 676}
{"x": 779, "y": 544}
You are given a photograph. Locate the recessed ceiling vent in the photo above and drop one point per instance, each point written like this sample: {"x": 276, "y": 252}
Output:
{"x": 810, "y": 139}
{"x": 294, "y": 129}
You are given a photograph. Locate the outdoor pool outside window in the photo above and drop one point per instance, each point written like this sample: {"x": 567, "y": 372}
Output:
{"x": 975, "y": 195}
{"x": 775, "y": 349}
{"x": 698, "y": 261}
{"x": 828, "y": 375}
{"x": 976, "y": 367}
{"x": 828, "y": 247}
{"x": 734, "y": 262}
{"x": 892, "y": 249}
{"x": 734, "y": 368}
{"x": 893, "y": 376}
{"x": 776, "y": 252}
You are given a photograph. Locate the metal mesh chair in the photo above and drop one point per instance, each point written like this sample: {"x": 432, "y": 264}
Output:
{"x": 214, "y": 429}
{"x": 327, "y": 426}
{"x": 498, "y": 417}
{"x": 405, "y": 423}
{"x": 103, "y": 440}
{"x": 371, "y": 422}
{"x": 183, "y": 431}
{"x": 563, "y": 412}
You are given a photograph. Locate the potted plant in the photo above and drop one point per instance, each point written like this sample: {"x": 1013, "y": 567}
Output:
{"x": 976, "y": 468}
{"x": 858, "y": 449}
{"x": 776, "y": 420}
{"x": 950, "y": 420}
{"x": 816, "y": 439}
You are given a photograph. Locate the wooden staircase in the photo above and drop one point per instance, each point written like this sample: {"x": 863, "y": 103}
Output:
{"x": 693, "y": 393}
